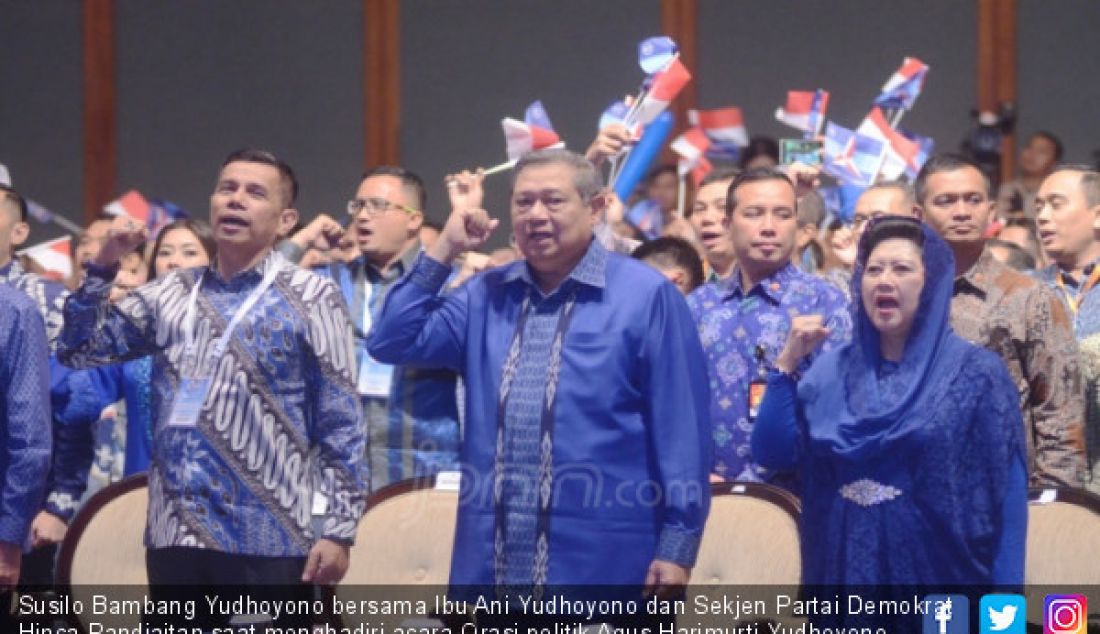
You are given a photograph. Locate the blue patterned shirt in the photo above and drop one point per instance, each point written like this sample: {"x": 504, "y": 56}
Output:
{"x": 627, "y": 453}
{"x": 74, "y": 403}
{"x": 281, "y": 419}
{"x": 24, "y": 414}
{"x": 732, "y": 324}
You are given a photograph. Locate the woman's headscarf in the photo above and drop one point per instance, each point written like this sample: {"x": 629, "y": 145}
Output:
{"x": 844, "y": 385}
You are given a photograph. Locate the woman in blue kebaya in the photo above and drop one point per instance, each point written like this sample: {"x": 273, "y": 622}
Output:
{"x": 908, "y": 440}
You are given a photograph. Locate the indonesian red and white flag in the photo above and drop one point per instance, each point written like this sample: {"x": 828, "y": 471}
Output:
{"x": 56, "y": 256}
{"x": 805, "y": 110}
{"x": 724, "y": 126}
{"x": 132, "y": 204}
{"x": 666, "y": 85}
{"x": 901, "y": 153}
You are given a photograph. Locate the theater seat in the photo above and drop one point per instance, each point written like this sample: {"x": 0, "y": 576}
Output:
{"x": 103, "y": 550}
{"x": 1063, "y": 549}
{"x": 1063, "y": 538}
{"x": 403, "y": 547}
{"x": 751, "y": 537}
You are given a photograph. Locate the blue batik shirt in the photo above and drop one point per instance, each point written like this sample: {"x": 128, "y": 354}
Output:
{"x": 74, "y": 403}
{"x": 24, "y": 414}
{"x": 732, "y": 324}
{"x": 281, "y": 419}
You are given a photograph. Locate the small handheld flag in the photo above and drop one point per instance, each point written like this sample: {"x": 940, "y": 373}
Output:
{"x": 903, "y": 87}
{"x": 805, "y": 110}
{"x": 54, "y": 255}
{"x": 725, "y": 127}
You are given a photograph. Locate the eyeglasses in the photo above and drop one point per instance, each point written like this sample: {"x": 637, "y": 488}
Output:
{"x": 376, "y": 206}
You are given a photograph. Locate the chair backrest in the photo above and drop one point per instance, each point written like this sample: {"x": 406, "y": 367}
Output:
{"x": 402, "y": 550}
{"x": 104, "y": 548}
{"x": 751, "y": 537}
{"x": 1063, "y": 538}
{"x": 406, "y": 536}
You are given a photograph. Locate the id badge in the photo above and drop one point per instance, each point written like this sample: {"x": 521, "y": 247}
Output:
{"x": 189, "y": 399}
{"x": 374, "y": 378}
{"x": 756, "y": 397}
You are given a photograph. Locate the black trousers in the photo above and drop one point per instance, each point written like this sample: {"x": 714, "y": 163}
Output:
{"x": 192, "y": 575}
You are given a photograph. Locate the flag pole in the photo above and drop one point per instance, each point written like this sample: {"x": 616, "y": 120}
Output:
{"x": 681, "y": 196}
{"x": 507, "y": 165}
{"x": 896, "y": 118}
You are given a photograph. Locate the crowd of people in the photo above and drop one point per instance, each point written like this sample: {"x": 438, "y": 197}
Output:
{"x": 908, "y": 374}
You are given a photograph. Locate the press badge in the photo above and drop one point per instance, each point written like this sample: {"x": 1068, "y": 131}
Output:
{"x": 190, "y": 396}
{"x": 374, "y": 378}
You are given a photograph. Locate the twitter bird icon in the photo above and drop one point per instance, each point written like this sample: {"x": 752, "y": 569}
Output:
{"x": 1003, "y": 614}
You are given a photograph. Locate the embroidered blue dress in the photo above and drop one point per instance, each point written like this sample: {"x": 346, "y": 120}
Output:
{"x": 599, "y": 435}
{"x": 914, "y": 472}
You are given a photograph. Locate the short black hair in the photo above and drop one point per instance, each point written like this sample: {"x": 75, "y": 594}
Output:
{"x": 663, "y": 168}
{"x": 286, "y": 173}
{"x": 408, "y": 178}
{"x": 755, "y": 175}
{"x": 718, "y": 175}
{"x": 882, "y": 228}
{"x": 946, "y": 163}
{"x": 759, "y": 146}
{"x": 1059, "y": 149}
{"x": 672, "y": 252}
{"x": 16, "y": 198}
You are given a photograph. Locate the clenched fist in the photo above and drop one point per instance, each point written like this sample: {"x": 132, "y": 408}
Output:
{"x": 124, "y": 235}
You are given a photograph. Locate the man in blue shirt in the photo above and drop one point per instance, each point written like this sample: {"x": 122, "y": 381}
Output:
{"x": 25, "y": 422}
{"x": 744, "y": 319}
{"x": 411, "y": 414}
{"x": 586, "y": 407}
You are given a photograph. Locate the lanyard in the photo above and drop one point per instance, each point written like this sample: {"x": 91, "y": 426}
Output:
{"x": 1074, "y": 299}
{"x": 223, "y": 342}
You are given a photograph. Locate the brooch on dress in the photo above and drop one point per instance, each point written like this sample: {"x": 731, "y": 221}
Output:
{"x": 866, "y": 492}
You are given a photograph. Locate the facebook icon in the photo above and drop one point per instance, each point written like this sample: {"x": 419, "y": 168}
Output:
{"x": 947, "y": 614}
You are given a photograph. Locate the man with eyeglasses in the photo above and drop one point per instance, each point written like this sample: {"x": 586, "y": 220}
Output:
{"x": 411, "y": 413}
{"x": 586, "y": 409}
{"x": 1013, "y": 315}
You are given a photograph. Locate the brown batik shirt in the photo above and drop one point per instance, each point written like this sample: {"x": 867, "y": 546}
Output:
{"x": 1022, "y": 320}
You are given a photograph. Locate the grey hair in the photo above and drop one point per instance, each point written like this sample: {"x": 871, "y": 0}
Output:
{"x": 586, "y": 179}
{"x": 905, "y": 188}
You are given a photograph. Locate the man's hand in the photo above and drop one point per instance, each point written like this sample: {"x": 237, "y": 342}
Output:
{"x": 466, "y": 229}
{"x": 465, "y": 190}
{"x": 609, "y": 142}
{"x": 665, "y": 579}
{"x": 805, "y": 177}
{"x": 47, "y": 529}
{"x": 11, "y": 557}
{"x": 807, "y": 332}
{"x": 327, "y": 563}
{"x": 322, "y": 232}
{"x": 124, "y": 235}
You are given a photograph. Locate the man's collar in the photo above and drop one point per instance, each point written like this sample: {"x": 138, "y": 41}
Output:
{"x": 590, "y": 271}
{"x": 398, "y": 268}
{"x": 978, "y": 279}
{"x": 11, "y": 270}
{"x": 772, "y": 286}
{"x": 273, "y": 258}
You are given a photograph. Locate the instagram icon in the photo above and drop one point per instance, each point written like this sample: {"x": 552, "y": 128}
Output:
{"x": 1064, "y": 614}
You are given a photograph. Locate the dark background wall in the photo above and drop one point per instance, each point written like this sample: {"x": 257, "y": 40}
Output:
{"x": 1059, "y": 76}
{"x": 197, "y": 79}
